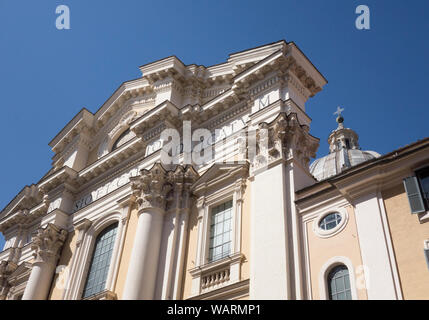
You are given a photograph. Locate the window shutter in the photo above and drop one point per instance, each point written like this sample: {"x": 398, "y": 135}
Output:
{"x": 427, "y": 257}
{"x": 414, "y": 195}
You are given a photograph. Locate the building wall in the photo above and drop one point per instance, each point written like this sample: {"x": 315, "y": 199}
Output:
{"x": 407, "y": 235}
{"x": 245, "y": 233}
{"x": 59, "y": 282}
{"x": 343, "y": 244}
{"x": 191, "y": 253}
{"x": 126, "y": 253}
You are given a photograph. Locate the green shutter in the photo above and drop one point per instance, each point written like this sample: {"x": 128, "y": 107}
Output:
{"x": 414, "y": 195}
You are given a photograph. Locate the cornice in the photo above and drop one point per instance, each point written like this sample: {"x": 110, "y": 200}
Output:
{"x": 110, "y": 160}
{"x": 371, "y": 176}
{"x": 27, "y": 198}
{"x": 23, "y": 218}
{"x": 82, "y": 121}
{"x": 64, "y": 175}
{"x": 164, "y": 111}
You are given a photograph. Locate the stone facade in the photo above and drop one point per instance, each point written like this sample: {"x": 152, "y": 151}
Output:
{"x": 234, "y": 214}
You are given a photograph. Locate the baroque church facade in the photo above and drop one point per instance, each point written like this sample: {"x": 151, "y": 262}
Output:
{"x": 254, "y": 220}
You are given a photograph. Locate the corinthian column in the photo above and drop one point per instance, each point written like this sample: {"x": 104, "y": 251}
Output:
{"x": 150, "y": 189}
{"x": 47, "y": 246}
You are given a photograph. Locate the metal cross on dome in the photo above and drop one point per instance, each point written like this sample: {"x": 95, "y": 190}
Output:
{"x": 339, "y": 110}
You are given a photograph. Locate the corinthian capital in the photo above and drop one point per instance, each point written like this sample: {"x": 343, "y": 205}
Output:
{"x": 47, "y": 244}
{"x": 6, "y": 268}
{"x": 151, "y": 187}
{"x": 284, "y": 138}
{"x": 157, "y": 187}
{"x": 182, "y": 180}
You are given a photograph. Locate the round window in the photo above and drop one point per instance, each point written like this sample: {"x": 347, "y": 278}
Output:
{"x": 330, "y": 221}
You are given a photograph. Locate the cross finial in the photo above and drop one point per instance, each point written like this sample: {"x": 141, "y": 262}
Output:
{"x": 339, "y": 110}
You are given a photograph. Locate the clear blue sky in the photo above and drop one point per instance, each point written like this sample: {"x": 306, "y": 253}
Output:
{"x": 46, "y": 75}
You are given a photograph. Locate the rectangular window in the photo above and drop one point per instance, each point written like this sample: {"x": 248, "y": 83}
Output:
{"x": 220, "y": 231}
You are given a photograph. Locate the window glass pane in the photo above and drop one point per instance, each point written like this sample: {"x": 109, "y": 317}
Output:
{"x": 220, "y": 231}
{"x": 424, "y": 183}
{"x": 339, "y": 284}
{"x": 330, "y": 221}
{"x": 100, "y": 262}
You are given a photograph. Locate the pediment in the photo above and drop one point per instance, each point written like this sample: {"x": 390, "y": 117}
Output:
{"x": 25, "y": 200}
{"x": 119, "y": 133}
{"x": 220, "y": 173}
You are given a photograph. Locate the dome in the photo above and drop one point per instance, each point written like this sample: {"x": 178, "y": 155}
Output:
{"x": 336, "y": 162}
{"x": 344, "y": 152}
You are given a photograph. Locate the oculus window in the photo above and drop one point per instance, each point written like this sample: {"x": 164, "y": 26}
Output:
{"x": 330, "y": 221}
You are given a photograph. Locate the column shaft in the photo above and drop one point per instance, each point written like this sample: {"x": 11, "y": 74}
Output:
{"x": 141, "y": 277}
{"x": 39, "y": 283}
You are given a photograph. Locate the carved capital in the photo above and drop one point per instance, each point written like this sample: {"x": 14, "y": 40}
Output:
{"x": 240, "y": 187}
{"x": 47, "y": 244}
{"x": 160, "y": 189}
{"x": 6, "y": 269}
{"x": 151, "y": 188}
{"x": 284, "y": 138}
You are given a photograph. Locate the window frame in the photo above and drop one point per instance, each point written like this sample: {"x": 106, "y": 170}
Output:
{"x": 91, "y": 261}
{"x": 414, "y": 172}
{"x": 88, "y": 232}
{"x": 328, "y": 267}
{"x": 205, "y": 215}
{"x": 334, "y": 231}
{"x": 324, "y": 224}
{"x": 210, "y": 215}
{"x": 418, "y": 174}
{"x": 331, "y": 277}
{"x": 230, "y": 186}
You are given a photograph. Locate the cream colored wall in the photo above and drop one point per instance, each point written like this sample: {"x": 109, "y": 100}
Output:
{"x": 407, "y": 235}
{"x": 320, "y": 250}
{"x": 245, "y": 233}
{"x": 126, "y": 253}
{"x": 191, "y": 253}
{"x": 67, "y": 253}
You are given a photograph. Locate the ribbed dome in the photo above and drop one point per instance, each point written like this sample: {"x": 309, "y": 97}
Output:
{"x": 336, "y": 162}
{"x": 344, "y": 153}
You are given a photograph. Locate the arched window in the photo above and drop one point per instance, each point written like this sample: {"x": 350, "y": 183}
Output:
{"x": 100, "y": 262}
{"x": 339, "y": 284}
{"x": 126, "y": 136}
